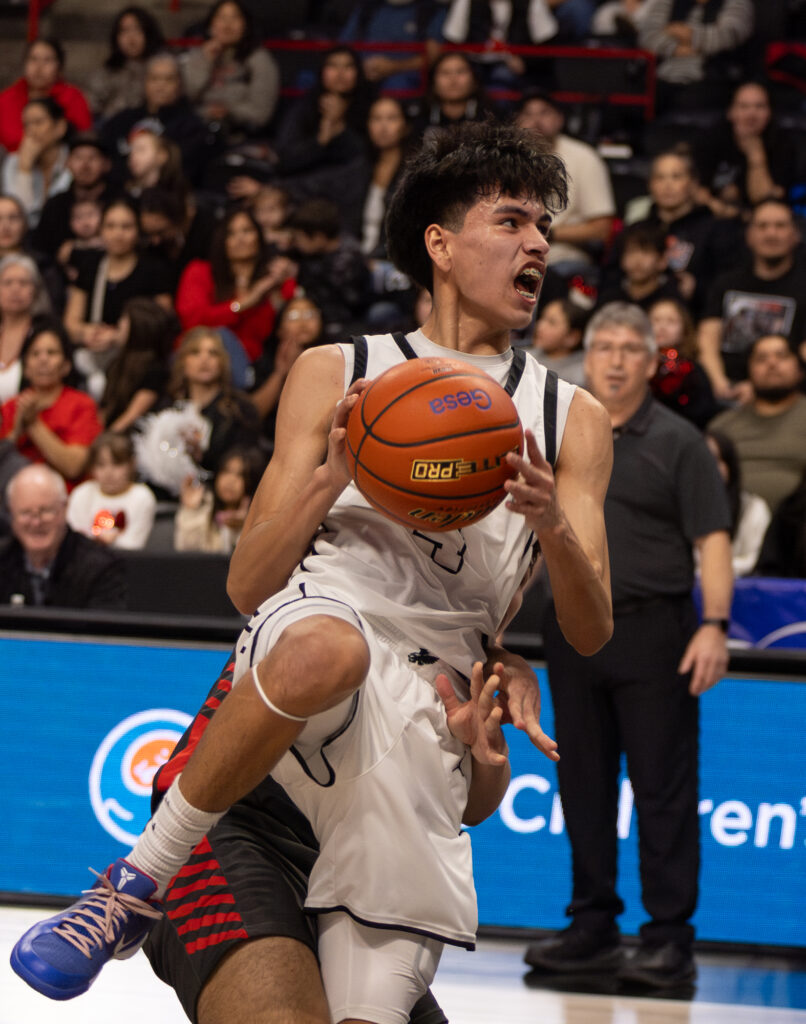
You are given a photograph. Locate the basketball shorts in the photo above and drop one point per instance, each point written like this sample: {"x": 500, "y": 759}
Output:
{"x": 247, "y": 879}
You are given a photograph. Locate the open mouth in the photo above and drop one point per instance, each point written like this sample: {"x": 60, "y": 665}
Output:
{"x": 527, "y": 283}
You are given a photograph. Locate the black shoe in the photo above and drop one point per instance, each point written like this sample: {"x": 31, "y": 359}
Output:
{"x": 576, "y": 950}
{"x": 663, "y": 966}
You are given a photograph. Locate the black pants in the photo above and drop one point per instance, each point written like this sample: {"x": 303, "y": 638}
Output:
{"x": 629, "y": 697}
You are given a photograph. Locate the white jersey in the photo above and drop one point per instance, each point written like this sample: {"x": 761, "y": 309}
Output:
{"x": 446, "y": 592}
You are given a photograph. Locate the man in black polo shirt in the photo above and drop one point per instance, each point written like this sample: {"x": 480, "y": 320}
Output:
{"x": 768, "y": 297}
{"x": 639, "y": 692}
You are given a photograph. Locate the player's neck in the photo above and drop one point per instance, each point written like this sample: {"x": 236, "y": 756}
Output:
{"x": 464, "y": 334}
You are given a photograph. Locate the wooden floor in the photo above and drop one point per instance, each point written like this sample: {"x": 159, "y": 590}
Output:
{"x": 490, "y": 986}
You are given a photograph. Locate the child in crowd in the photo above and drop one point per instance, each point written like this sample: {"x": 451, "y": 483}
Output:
{"x": 643, "y": 264}
{"x": 110, "y": 507}
{"x": 680, "y": 382}
{"x": 271, "y": 206}
{"x": 557, "y": 339}
{"x": 85, "y": 225}
{"x": 211, "y": 519}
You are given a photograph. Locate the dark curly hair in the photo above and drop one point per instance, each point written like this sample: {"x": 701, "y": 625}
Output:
{"x": 453, "y": 169}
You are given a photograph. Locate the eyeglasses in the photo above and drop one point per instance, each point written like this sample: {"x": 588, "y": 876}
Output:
{"x": 632, "y": 351}
{"x": 46, "y": 514}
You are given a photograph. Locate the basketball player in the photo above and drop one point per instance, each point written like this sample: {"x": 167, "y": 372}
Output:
{"x": 337, "y": 673}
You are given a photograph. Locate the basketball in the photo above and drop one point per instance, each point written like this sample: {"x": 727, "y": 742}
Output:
{"x": 427, "y": 443}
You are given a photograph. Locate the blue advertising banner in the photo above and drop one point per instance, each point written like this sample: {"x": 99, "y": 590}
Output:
{"x": 88, "y": 722}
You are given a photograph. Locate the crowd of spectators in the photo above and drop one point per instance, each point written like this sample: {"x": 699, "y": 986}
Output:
{"x": 176, "y": 228}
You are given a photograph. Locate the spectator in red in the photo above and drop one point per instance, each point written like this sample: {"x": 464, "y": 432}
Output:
{"x": 41, "y": 77}
{"x": 237, "y": 288}
{"x": 48, "y": 421}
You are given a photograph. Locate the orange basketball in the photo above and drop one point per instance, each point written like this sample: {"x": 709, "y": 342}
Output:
{"x": 426, "y": 443}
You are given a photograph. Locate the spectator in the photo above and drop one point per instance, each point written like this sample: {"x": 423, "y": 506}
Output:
{"x": 749, "y": 514}
{"x": 237, "y": 289}
{"x": 175, "y": 228}
{"x": 211, "y": 519}
{"x": 231, "y": 79}
{"x": 557, "y": 339}
{"x": 404, "y": 21}
{"x": 200, "y": 374}
{"x": 48, "y": 421}
{"x": 770, "y": 431}
{"x": 644, "y": 260}
{"x": 680, "y": 382}
{"x": 299, "y": 326}
{"x": 111, "y": 508}
{"x": 321, "y": 144}
{"x": 138, "y": 373}
{"x": 14, "y": 241}
{"x": 768, "y": 297}
{"x": 44, "y": 62}
{"x": 47, "y": 563}
{"x": 747, "y": 158}
{"x": 84, "y": 222}
{"x": 38, "y": 169}
{"x": 271, "y": 205}
{"x": 88, "y": 163}
{"x": 698, "y": 46}
{"x": 622, "y": 18}
{"x": 454, "y": 94}
{"x": 389, "y": 131}
{"x": 165, "y": 108}
{"x": 579, "y": 232}
{"x": 638, "y": 693}
{"x": 119, "y": 82}
{"x": 154, "y": 161}
{"x": 332, "y": 270}
{"x": 783, "y": 551}
{"x": 106, "y": 280}
{"x": 10, "y": 463}
{"x": 22, "y": 298}
{"x": 698, "y": 244}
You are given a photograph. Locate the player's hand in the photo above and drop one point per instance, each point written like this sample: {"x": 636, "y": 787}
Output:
{"x": 476, "y": 722}
{"x": 519, "y": 697}
{"x": 532, "y": 492}
{"x": 336, "y": 461}
{"x": 706, "y": 657}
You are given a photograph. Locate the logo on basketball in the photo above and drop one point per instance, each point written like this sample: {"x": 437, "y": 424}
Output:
{"x": 124, "y": 766}
{"x": 477, "y": 397}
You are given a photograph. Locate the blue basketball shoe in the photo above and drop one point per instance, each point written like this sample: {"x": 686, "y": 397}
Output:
{"x": 63, "y": 955}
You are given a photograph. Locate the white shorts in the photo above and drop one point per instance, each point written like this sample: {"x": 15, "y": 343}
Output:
{"x": 373, "y": 974}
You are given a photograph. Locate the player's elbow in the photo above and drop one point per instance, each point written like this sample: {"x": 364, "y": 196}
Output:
{"x": 591, "y": 637}
{"x": 240, "y": 595}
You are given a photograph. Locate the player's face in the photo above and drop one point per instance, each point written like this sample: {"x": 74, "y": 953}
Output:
{"x": 497, "y": 260}
{"x": 670, "y": 183}
{"x": 618, "y": 365}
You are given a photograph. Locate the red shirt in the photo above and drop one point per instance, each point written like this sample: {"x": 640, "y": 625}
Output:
{"x": 196, "y": 306}
{"x": 13, "y": 100}
{"x": 73, "y": 418}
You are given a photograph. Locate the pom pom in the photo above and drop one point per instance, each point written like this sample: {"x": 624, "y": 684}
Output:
{"x": 168, "y": 445}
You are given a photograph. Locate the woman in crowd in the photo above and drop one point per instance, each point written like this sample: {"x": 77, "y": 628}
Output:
{"x": 38, "y": 169}
{"x": 321, "y": 145}
{"x": 111, "y": 507}
{"x": 22, "y": 298}
{"x": 14, "y": 240}
{"x": 388, "y": 130}
{"x": 237, "y": 288}
{"x": 454, "y": 93}
{"x": 211, "y": 518}
{"x": 118, "y": 83}
{"x": 44, "y": 61}
{"x": 232, "y": 80}
{"x": 105, "y": 282}
{"x": 138, "y": 374}
{"x": 750, "y": 514}
{"x": 557, "y": 341}
{"x": 200, "y": 374}
{"x": 680, "y": 381}
{"x": 299, "y": 326}
{"x": 49, "y": 421}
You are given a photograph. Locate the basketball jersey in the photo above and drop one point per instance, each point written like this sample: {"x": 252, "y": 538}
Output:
{"x": 445, "y": 592}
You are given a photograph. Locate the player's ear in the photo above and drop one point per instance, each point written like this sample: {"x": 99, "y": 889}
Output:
{"x": 436, "y": 244}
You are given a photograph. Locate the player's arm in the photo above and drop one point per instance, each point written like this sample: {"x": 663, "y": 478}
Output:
{"x": 565, "y": 509}
{"x": 306, "y": 474}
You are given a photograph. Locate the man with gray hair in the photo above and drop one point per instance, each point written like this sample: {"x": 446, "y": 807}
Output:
{"x": 639, "y": 693}
{"x": 47, "y": 563}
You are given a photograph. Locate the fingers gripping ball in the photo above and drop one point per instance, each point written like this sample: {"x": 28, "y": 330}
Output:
{"x": 427, "y": 441}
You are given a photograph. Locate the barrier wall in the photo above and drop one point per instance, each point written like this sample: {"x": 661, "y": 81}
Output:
{"x": 88, "y": 721}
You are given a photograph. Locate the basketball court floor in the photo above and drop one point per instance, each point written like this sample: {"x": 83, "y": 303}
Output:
{"x": 490, "y": 986}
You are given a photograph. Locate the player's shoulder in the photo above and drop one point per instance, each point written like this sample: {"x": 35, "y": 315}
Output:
{"x": 588, "y": 434}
